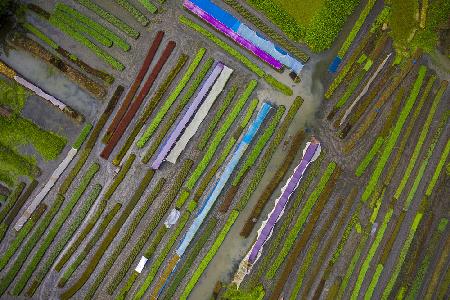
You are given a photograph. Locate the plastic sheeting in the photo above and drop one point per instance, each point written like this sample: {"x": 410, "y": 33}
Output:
{"x": 335, "y": 64}
{"x": 220, "y": 183}
{"x": 40, "y": 92}
{"x": 181, "y": 125}
{"x": 47, "y": 187}
{"x": 200, "y": 115}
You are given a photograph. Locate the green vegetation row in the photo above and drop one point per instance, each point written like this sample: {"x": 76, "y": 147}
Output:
{"x": 84, "y": 153}
{"x": 149, "y": 228}
{"x": 56, "y": 226}
{"x": 259, "y": 146}
{"x": 437, "y": 171}
{"x": 177, "y": 111}
{"x": 151, "y": 105}
{"x": 131, "y": 32}
{"x": 217, "y": 117}
{"x": 369, "y": 156}
{"x": 11, "y": 200}
{"x": 107, "y": 240}
{"x": 390, "y": 143}
{"x": 121, "y": 43}
{"x": 96, "y": 214}
{"x": 162, "y": 256}
{"x": 291, "y": 237}
{"x": 239, "y": 56}
{"x": 91, "y": 243}
{"x": 220, "y": 134}
{"x": 356, "y": 27}
{"x": 29, "y": 245}
{"x": 421, "y": 140}
{"x": 21, "y": 235}
{"x": 171, "y": 99}
{"x": 140, "y": 17}
{"x": 149, "y": 6}
{"x": 210, "y": 254}
{"x": 113, "y": 257}
{"x": 64, "y": 240}
{"x": 61, "y": 24}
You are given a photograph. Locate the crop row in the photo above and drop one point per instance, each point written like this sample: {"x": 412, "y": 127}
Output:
{"x": 62, "y": 242}
{"x": 370, "y": 118}
{"x": 406, "y": 134}
{"x": 239, "y": 56}
{"x": 327, "y": 247}
{"x": 425, "y": 263}
{"x": 100, "y": 29}
{"x": 96, "y": 214}
{"x": 350, "y": 89}
{"x": 131, "y": 32}
{"x": 306, "y": 209}
{"x": 149, "y": 228}
{"x": 82, "y": 28}
{"x": 162, "y": 256}
{"x": 140, "y": 17}
{"x": 28, "y": 246}
{"x": 437, "y": 171}
{"x": 181, "y": 273}
{"x": 421, "y": 140}
{"x": 434, "y": 285}
{"x": 305, "y": 237}
{"x": 273, "y": 184}
{"x": 404, "y": 250}
{"x": 53, "y": 231}
{"x": 151, "y": 104}
{"x": 221, "y": 132}
{"x": 171, "y": 99}
{"x": 372, "y": 250}
{"x": 113, "y": 257}
{"x": 260, "y": 144}
{"x": 266, "y": 29}
{"x": 259, "y": 173}
{"x": 135, "y": 86}
{"x": 209, "y": 255}
{"x": 356, "y": 27}
{"x": 21, "y": 235}
{"x": 134, "y": 107}
{"x": 347, "y": 67}
{"x": 149, "y": 6}
{"x": 342, "y": 241}
{"x": 216, "y": 119}
{"x": 276, "y": 240}
{"x": 426, "y": 160}
{"x": 73, "y": 33}
{"x": 107, "y": 240}
{"x": 90, "y": 244}
{"x": 176, "y": 112}
{"x": 11, "y": 200}
{"x": 369, "y": 156}
{"x": 390, "y": 143}
{"x": 71, "y": 57}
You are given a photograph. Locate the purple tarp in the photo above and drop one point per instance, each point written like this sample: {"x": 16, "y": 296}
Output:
{"x": 287, "y": 191}
{"x": 233, "y": 35}
{"x": 178, "y": 130}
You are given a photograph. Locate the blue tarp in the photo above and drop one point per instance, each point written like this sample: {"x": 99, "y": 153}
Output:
{"x": 335, "y": 64}
{"x": 218, "y": 13}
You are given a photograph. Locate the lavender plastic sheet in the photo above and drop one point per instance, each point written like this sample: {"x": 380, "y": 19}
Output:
{"x": 233, "y": 35}
{"x": 178, "y": 130}
{"x": 281, "y": 203}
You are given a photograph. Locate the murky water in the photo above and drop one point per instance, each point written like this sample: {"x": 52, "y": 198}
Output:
{"x": 52, "y": 81}
{"x": 234, "y": 247}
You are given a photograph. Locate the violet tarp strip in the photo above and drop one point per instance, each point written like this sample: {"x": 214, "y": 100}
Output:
{"x": 233, "y": 35}
{"x": 181, "y": 125}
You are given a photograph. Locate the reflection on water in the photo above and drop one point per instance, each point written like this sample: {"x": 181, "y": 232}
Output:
{"x": 52, "y": 81}
{"x": 234, "y": 247}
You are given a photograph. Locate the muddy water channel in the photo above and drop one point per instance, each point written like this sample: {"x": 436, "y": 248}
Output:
{"x": 234, "y": 247}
